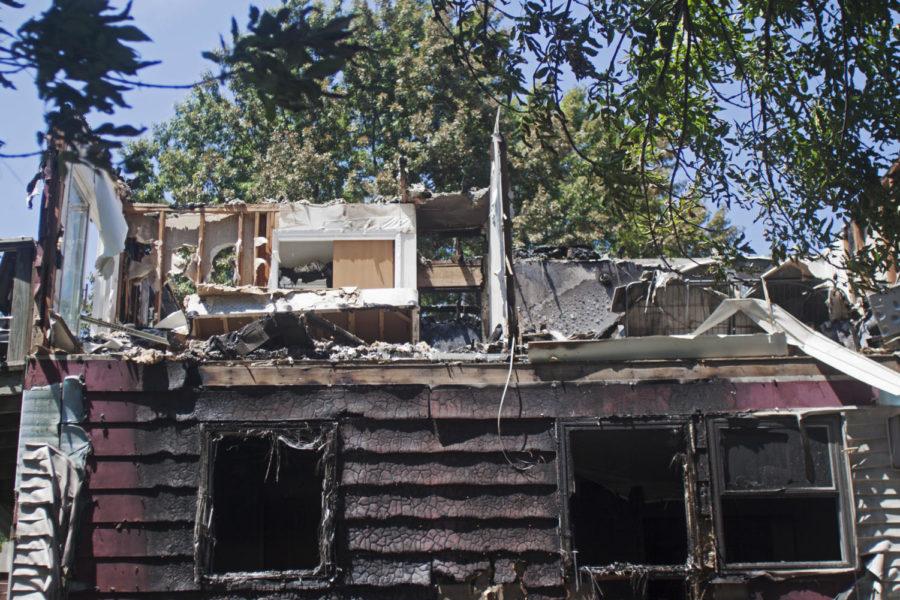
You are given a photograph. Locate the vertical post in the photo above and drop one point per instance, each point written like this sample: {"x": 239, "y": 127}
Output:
{"x": 160, "y": 262}
{"x": 500, "y": 284}
{"x": 49, "y": 233}
{"x": 239, "y": 250}
{"x": 201, "y": 246}
{"x": 403, "y": 180}
{"x": 22, "y": 310}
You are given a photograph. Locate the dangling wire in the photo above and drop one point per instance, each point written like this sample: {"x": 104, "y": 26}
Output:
{"x": 518, "y": 464}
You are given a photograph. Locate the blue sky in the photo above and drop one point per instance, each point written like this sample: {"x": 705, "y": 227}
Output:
{"x": 181, "y": 30}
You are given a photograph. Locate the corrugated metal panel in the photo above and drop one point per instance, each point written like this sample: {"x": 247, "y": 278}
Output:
{"x": 876, "y": 494}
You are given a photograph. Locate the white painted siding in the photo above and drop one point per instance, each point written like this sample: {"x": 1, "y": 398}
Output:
{"x": 876, "y": 494}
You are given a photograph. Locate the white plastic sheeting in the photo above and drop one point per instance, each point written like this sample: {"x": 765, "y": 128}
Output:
{"x": 42, "y": 547}
{"x": 97, "y": 189}
{"x": 105, "y": 208}
{"x": 772, "y": 319}
{"x": 341, "y": 217}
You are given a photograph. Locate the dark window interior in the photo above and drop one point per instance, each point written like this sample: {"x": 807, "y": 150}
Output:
{"x": 775, "y": 458}
{"x": 628, "y": 503}
{"x": 267, "y": 506}
{"x": 665, "y": 589}
{"x": 765, "y": 517}
{"x": 792, "y": 529}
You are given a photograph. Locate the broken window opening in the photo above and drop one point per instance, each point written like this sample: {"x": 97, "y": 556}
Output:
{"x": 640, "y": 588}
{"x": 780, "y": 492}
{"x": 76, "y": 280}
{"x": 306, "y": 265}
{"x": 450, "y": 319}
{"x": 183, "y": 264}
{"x": 627, "y": 503}
{"x": 457, "y": 247}
{"x": 224, "y": 266}
{"x": 266, "y": 502}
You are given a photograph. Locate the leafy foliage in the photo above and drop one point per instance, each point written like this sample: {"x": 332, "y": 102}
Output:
{"x": 284, "y": 55}
{"x": 787, "y": 108}
{"x": 403, "y": 95}
{"x": 563, "y": 201}
{"x": 224, "y": 267}
{"x": 82, "y": 55}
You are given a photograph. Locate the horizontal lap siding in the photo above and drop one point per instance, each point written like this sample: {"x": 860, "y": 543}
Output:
{"x": 876, "y": 491}
{"x": 420, "y": 500}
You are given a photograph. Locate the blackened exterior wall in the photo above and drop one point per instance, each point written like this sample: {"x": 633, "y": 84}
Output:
{"x": 425, "y": 494}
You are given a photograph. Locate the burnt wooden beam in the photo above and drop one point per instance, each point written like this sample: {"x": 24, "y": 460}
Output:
{"x": 339, "y": 333}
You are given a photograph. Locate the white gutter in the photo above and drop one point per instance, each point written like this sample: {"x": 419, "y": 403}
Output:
{"x": 774, "y": 319}
{"x": 659, "y": 347}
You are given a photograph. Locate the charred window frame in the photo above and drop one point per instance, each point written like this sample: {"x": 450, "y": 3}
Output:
{"x": 317, "y": 441}
{"x": 805, "y": 477}
{"x": 674, "y": 578}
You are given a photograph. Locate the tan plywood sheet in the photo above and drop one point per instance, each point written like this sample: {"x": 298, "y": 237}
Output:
{"x": 364, "y": 263}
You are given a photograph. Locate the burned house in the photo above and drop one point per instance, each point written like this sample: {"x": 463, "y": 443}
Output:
{"x": 383, "y": 401}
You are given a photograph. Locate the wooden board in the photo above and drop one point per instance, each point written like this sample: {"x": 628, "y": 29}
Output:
{"x": 364, "y": 264}
{"x": 449, "y": 275}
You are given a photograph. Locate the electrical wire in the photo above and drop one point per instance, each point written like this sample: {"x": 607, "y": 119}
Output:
{"x": 517, "y": 464}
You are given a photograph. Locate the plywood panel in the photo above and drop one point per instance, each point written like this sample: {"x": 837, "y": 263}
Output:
{"x": 364, "y": 263}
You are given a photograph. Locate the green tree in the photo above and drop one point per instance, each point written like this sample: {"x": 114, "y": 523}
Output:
{"x": 561, "y": 200}
{"x": 405, "y": 95}
{"x": 786, "y": 108}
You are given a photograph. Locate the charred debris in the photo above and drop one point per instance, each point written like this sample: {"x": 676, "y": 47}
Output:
{"x": 424, "y": 276}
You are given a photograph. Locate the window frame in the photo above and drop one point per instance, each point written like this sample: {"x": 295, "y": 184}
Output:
{"x": 566, "y": 481}
{"x": 840, "y": 486}
{"x": 211, "y": 434}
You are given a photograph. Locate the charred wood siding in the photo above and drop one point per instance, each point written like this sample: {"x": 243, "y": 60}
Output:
{"x": 421, "y": 500}
{"x": 425, "y": 494}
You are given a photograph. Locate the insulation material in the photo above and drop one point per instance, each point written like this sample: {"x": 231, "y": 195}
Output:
{"x": 343, "y": 218}
{"x": 190, "y": 221}
{"x": 772, "y": 318}
{"x": 265, "y": 303}
{"x": 143, "y": 227}
{"x": 47, "y": 502}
